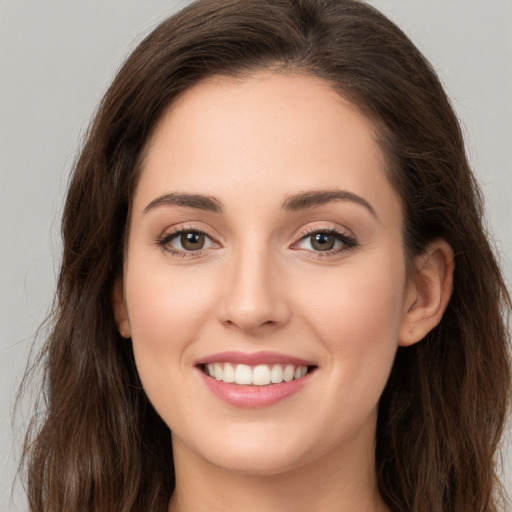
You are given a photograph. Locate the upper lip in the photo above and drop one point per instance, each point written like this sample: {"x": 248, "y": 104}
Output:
{"x": 253, "y": 358}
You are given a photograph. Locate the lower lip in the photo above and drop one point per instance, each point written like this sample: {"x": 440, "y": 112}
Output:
{"x": 253, "y": 396}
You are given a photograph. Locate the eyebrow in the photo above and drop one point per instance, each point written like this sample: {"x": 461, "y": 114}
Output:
{"x": 198, "y": 201}
{"x": 305, "y": 200}
{"x": 300, "y": 201}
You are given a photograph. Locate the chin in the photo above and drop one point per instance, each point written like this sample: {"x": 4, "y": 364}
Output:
{"x": 252, "y": 453}
{"x": 260, "y": 462}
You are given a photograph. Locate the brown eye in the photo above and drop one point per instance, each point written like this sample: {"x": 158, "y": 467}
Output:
{"x": 323, "y": 241}
{"x": 192, "y": 241}
{"x": 330, "y": 242}
{"x": 187, "y": 241}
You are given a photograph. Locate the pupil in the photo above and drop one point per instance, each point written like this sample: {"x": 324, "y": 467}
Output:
{"x": 192, "y": 241}
{"x": 323, "y": 241}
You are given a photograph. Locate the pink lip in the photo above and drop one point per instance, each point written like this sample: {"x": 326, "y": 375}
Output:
{"x": 253, "y": 359}
{"x": 253, "y": 396}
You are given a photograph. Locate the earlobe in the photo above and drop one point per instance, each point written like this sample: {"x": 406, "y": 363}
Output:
{"x": 119, "y": 308}
{"x": 428, "y": 292}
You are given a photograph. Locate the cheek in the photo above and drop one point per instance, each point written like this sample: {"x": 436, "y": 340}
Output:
{"x": 162, "y": 299}
{"x": 357, "y": 301}
{"x": 357, "y": 318}
{"x": 167, "y": 310}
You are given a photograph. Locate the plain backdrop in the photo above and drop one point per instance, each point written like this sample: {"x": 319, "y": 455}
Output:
{"x": 56, "y": 60}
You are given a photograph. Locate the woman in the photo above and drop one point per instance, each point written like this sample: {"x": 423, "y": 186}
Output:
{"x": 276, "y": 291}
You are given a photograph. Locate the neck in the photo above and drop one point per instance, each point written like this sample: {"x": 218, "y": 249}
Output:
{"x": 332, "y": 484}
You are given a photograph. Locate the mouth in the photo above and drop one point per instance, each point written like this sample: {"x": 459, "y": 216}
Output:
{"x": 255, "y": 380}
{"x": 255, "y": 375}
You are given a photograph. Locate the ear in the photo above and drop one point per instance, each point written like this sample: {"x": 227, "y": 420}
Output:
{"x": 428, "y": 292}
{"x": 120, "y": 310}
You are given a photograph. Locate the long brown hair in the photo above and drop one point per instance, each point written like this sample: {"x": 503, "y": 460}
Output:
{"x": 100, "y": 446}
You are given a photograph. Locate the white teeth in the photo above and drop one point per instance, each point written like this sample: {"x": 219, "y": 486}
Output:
{"x": 229, "y": 373}
{"x": 259, "y": 375}
{"x": 276, "y": 374}
{"x": 288, "y": 373}
{"x": 243, "y": 374}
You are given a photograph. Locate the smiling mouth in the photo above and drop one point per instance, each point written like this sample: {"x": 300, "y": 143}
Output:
{"x": 258, "y": 375}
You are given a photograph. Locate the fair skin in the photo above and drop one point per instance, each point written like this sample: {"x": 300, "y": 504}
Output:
{"x": 234, "y": 257}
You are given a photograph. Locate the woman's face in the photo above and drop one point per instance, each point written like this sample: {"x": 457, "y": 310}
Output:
{"x": 265, "y": 239}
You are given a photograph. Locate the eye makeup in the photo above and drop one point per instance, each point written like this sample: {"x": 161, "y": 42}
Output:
{"x": 191, "y": 242}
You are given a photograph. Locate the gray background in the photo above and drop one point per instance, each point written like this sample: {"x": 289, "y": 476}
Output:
{"x": 56, "y": 60}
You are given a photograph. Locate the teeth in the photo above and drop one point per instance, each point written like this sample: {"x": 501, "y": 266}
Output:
{"x": 260, "y": 375}
{"x": 276, "y": 374}
{"x": 229, "y": 373}
{"x": 243, "y": 374}
{"x": 288, "y": 373}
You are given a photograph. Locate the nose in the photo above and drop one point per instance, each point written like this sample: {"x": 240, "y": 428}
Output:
{"x": 254, "y": 298}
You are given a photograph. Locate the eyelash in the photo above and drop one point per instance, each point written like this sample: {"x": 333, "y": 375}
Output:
{"x": 166, "y": 239}
{"x": 348, "y": 242}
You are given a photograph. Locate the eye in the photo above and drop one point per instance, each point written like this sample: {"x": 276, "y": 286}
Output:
{"x": 190, "y": 241}
{"x": 322, "y": 241}
{"x": 328, "y": 241}
{"x": 186, "y": 240}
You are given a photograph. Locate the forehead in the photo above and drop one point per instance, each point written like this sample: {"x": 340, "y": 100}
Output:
{"x": 267, "y": 133}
